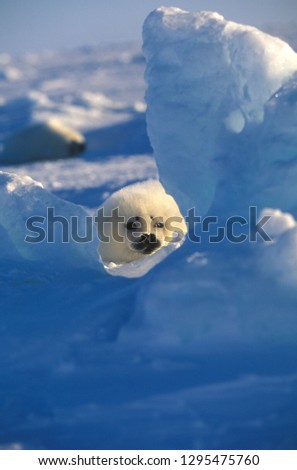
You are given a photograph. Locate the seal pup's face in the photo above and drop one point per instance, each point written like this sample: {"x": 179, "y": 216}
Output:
{"x": 137, "y": 221}
{"x": 143, "y": 234}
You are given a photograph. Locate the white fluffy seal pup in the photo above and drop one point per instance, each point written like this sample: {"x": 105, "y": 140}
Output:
{"x": 48, "y": 140}
{"x": 137, "y": 221}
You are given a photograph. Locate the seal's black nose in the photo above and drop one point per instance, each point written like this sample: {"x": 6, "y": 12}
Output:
{"x": 147, "y": 243}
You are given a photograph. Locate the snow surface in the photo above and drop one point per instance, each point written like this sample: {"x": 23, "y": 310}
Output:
{"x": 201, "y": 351}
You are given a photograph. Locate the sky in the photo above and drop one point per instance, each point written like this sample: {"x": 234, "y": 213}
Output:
{"x": 37, "y": 25}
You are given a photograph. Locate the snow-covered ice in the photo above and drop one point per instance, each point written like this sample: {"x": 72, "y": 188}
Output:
{"x": 23, "y": 198}
{"x": 209, "y": 86}
{"x": 200, "y": 352}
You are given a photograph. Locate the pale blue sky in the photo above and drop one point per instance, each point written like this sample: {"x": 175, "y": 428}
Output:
{"x": 35, "y": 25}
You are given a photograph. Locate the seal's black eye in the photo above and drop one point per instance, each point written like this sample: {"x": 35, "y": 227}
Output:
{"x": 159, "y": 225}
{"x": 133, "y": 223}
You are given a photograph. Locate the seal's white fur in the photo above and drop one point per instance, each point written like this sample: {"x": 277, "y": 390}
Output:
{"x": 147, "y": 201}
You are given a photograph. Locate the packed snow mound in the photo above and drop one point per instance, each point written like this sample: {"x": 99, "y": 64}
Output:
{"x": 209, "y": 82}
{"x": 32, "y": 229}
{"x": 278, "y": 223}
{"x": 278, "y": 258}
